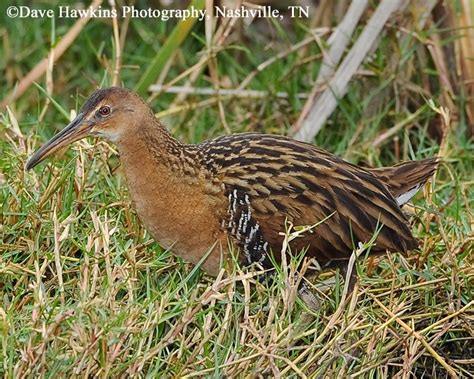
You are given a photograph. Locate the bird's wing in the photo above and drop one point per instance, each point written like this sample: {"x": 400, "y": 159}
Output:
{"x": 287, "y": 180}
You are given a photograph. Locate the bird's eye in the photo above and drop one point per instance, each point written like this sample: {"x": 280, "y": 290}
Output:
{"x": 104, "y": 111}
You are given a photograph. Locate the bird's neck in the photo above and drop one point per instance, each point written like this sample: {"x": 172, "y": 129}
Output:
{"x": 172, "y": 194}
{"x": 162, "y": 173}
{"x": 151, "y": 146}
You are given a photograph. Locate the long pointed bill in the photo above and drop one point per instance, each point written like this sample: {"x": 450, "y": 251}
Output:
{"x": 76, "y": 130}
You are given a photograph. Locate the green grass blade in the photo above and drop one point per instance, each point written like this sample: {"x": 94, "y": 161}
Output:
{"x": 58, "y": 106}
{"x": 176, "y": 38}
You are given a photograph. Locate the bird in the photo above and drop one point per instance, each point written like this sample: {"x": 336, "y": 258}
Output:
{"x": 236, "y": 193}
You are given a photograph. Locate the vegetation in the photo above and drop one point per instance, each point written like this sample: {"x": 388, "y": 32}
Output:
{"x": 86, "y": 292}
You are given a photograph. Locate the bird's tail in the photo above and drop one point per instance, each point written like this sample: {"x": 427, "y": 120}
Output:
{"x": 406, "y": 178}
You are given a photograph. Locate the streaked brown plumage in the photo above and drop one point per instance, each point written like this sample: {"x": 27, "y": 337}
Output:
{"x": 243, "y": 187}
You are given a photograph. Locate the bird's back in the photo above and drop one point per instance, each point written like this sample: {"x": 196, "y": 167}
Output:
{"x": 270, "y": 180}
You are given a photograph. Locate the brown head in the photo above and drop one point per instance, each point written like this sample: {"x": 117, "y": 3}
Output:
{"x": 109, "y": 113}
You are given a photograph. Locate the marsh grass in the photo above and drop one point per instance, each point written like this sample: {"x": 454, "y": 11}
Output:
{"x": 86, "y": 292}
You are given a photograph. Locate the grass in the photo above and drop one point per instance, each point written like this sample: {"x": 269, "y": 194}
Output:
{"x": 85, "y": 291}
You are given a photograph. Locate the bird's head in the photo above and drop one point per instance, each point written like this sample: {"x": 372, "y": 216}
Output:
{"x": 107, "y": 113}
